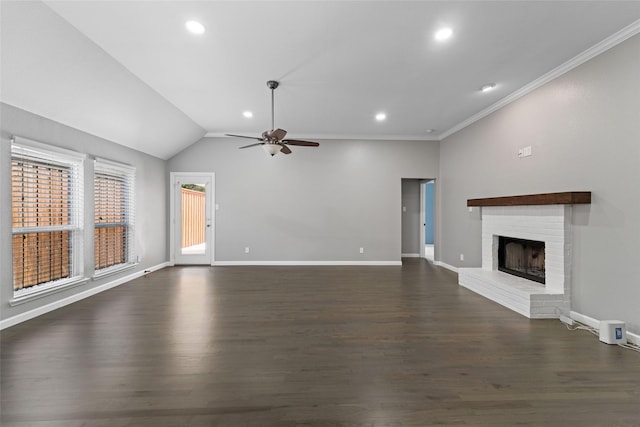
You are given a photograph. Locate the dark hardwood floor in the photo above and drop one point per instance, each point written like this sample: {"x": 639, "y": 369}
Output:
{"x": 308, "y": 346}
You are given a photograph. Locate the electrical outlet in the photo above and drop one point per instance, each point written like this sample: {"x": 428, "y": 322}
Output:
{"x": 361, "y": 250}
{"x": 246, "y": 250}
{"x": 461, "y": 257}
{"x": 524, "y": 152}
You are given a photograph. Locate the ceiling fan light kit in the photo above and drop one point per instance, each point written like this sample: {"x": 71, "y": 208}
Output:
{"x": 273, "y": 141}
{"x": 272, "y": 149}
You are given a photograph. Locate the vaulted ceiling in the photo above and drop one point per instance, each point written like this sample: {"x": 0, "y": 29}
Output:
{"x": 130, "y": 72}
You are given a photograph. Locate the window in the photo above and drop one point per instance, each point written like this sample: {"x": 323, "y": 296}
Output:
{"x": 114, "y": 236}
{"x": 46, "y": 211}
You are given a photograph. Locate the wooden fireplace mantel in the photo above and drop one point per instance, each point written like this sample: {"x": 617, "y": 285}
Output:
{"x": 565, "y": 198}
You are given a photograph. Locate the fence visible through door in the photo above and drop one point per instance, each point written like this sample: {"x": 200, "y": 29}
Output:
{"x": 192, "y": 222}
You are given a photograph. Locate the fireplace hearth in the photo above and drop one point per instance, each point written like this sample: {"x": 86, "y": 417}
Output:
{"x": 522, "y": 258}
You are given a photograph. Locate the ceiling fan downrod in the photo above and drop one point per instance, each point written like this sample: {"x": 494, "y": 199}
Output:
{"x": 272, "y": 84}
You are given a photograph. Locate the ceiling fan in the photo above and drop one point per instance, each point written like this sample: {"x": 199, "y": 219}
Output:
{"x": 273, "y": 140}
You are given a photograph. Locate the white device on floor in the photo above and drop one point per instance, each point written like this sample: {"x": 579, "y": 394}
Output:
{"x": 613, "y": 332}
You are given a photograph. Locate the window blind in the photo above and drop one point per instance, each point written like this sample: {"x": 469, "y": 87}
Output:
{"x": 46, "y": 210}
{"x": 114, "y": 214}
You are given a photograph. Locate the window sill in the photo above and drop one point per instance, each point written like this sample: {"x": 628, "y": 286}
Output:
{"x": 47, "y": 290}
{"x": 112, "y": 270}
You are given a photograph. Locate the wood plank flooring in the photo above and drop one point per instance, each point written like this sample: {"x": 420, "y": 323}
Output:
{"x": 308, "y": 346}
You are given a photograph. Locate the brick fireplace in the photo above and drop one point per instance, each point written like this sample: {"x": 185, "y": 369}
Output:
{"x": 543, "y": 218}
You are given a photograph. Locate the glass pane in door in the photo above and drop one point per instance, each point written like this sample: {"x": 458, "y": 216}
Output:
{"x": 194, "y": 219}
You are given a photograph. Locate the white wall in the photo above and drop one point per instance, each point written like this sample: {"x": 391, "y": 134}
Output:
{"x": 317, "y": 204}
{"x": 151, "y": 190}
{"x": 584, "y": 130}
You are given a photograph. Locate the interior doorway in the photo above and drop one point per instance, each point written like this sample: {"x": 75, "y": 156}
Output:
{"x": 418, "y": 218}
{"x": 192, "y": 234}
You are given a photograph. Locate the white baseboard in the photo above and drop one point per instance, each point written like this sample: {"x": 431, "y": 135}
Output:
{"x": 28, "y": 315}
{"x": 445, "y": 265}
{"x": 410, "y": 255}
{"x": 595, "y": 323}
{"x": 296, "y": 263}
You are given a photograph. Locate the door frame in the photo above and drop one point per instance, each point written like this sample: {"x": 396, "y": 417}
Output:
{"x": 423, "y": 217}
{"x": 209, "y": 231}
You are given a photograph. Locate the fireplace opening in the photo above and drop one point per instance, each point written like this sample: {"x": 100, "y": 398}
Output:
{"x": 523, "y": 258}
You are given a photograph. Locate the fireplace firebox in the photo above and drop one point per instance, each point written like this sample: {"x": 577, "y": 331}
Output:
{"x": 523, "y": 258}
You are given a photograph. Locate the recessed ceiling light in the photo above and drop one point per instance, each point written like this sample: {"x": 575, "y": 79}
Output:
{"x": 443, "y": 33}
{"x": 195, "y": 27}
{"x": 430, "y": 130}
{"x": 488, "y": 87}
{"x": 381, "y": 117}
{"x": 247, "y": 114}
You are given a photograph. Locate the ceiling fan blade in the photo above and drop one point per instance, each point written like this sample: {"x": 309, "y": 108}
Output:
{"x": 278, "y": 134}
{"x": 242, "y": 136}
{"x": 301, "y": 143}
{"x": 285, "y": 149}
{"x": 252, "y": 145}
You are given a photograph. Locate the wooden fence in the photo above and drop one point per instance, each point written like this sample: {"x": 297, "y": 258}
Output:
{"x": 193, "y": 217}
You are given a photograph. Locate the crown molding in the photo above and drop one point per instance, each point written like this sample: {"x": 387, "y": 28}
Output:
{"x": 606, "y": 44}
{"x": 365, "y": 137}
{"x": 601, "y": 47}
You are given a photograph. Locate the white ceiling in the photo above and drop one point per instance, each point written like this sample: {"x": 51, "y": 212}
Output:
{"x": 339, "y": 63}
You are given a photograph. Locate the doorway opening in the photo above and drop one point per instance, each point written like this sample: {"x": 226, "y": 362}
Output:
{"x": 428, "y": 190}
{"x": 418, "y": 218}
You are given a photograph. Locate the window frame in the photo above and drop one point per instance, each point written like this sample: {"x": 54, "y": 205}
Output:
{"x": 26, "y": 150}
{"x": 127, "y": 175}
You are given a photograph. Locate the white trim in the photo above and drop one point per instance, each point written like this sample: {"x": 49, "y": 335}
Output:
{"x": 429, "y": 137}
{"x": 23, "y": 317}
{"x": 114, "y": 269}
{"x": 113, "y": 166}
{"x": 589, "y": 321}
{"x": 47, "y": 289}
{"x": 295, "y": 263}
{"x": 410, "y": 255}
{"x": 30, "y": 147}
{"x": 445, "y": 265}
{"x": 633, "y": 338}
{"x": 581, "y": 58}
{"x": 595, "y": 323}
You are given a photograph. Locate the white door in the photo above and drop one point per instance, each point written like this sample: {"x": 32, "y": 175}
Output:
{"x": 192, "y": 218}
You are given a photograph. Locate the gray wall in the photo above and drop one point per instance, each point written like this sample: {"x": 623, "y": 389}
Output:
{"x": 411, "y": 217}
{"x": 317, "y": 204}
{"x": 584, "y": 130}
{"x": 151, "y": 190}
